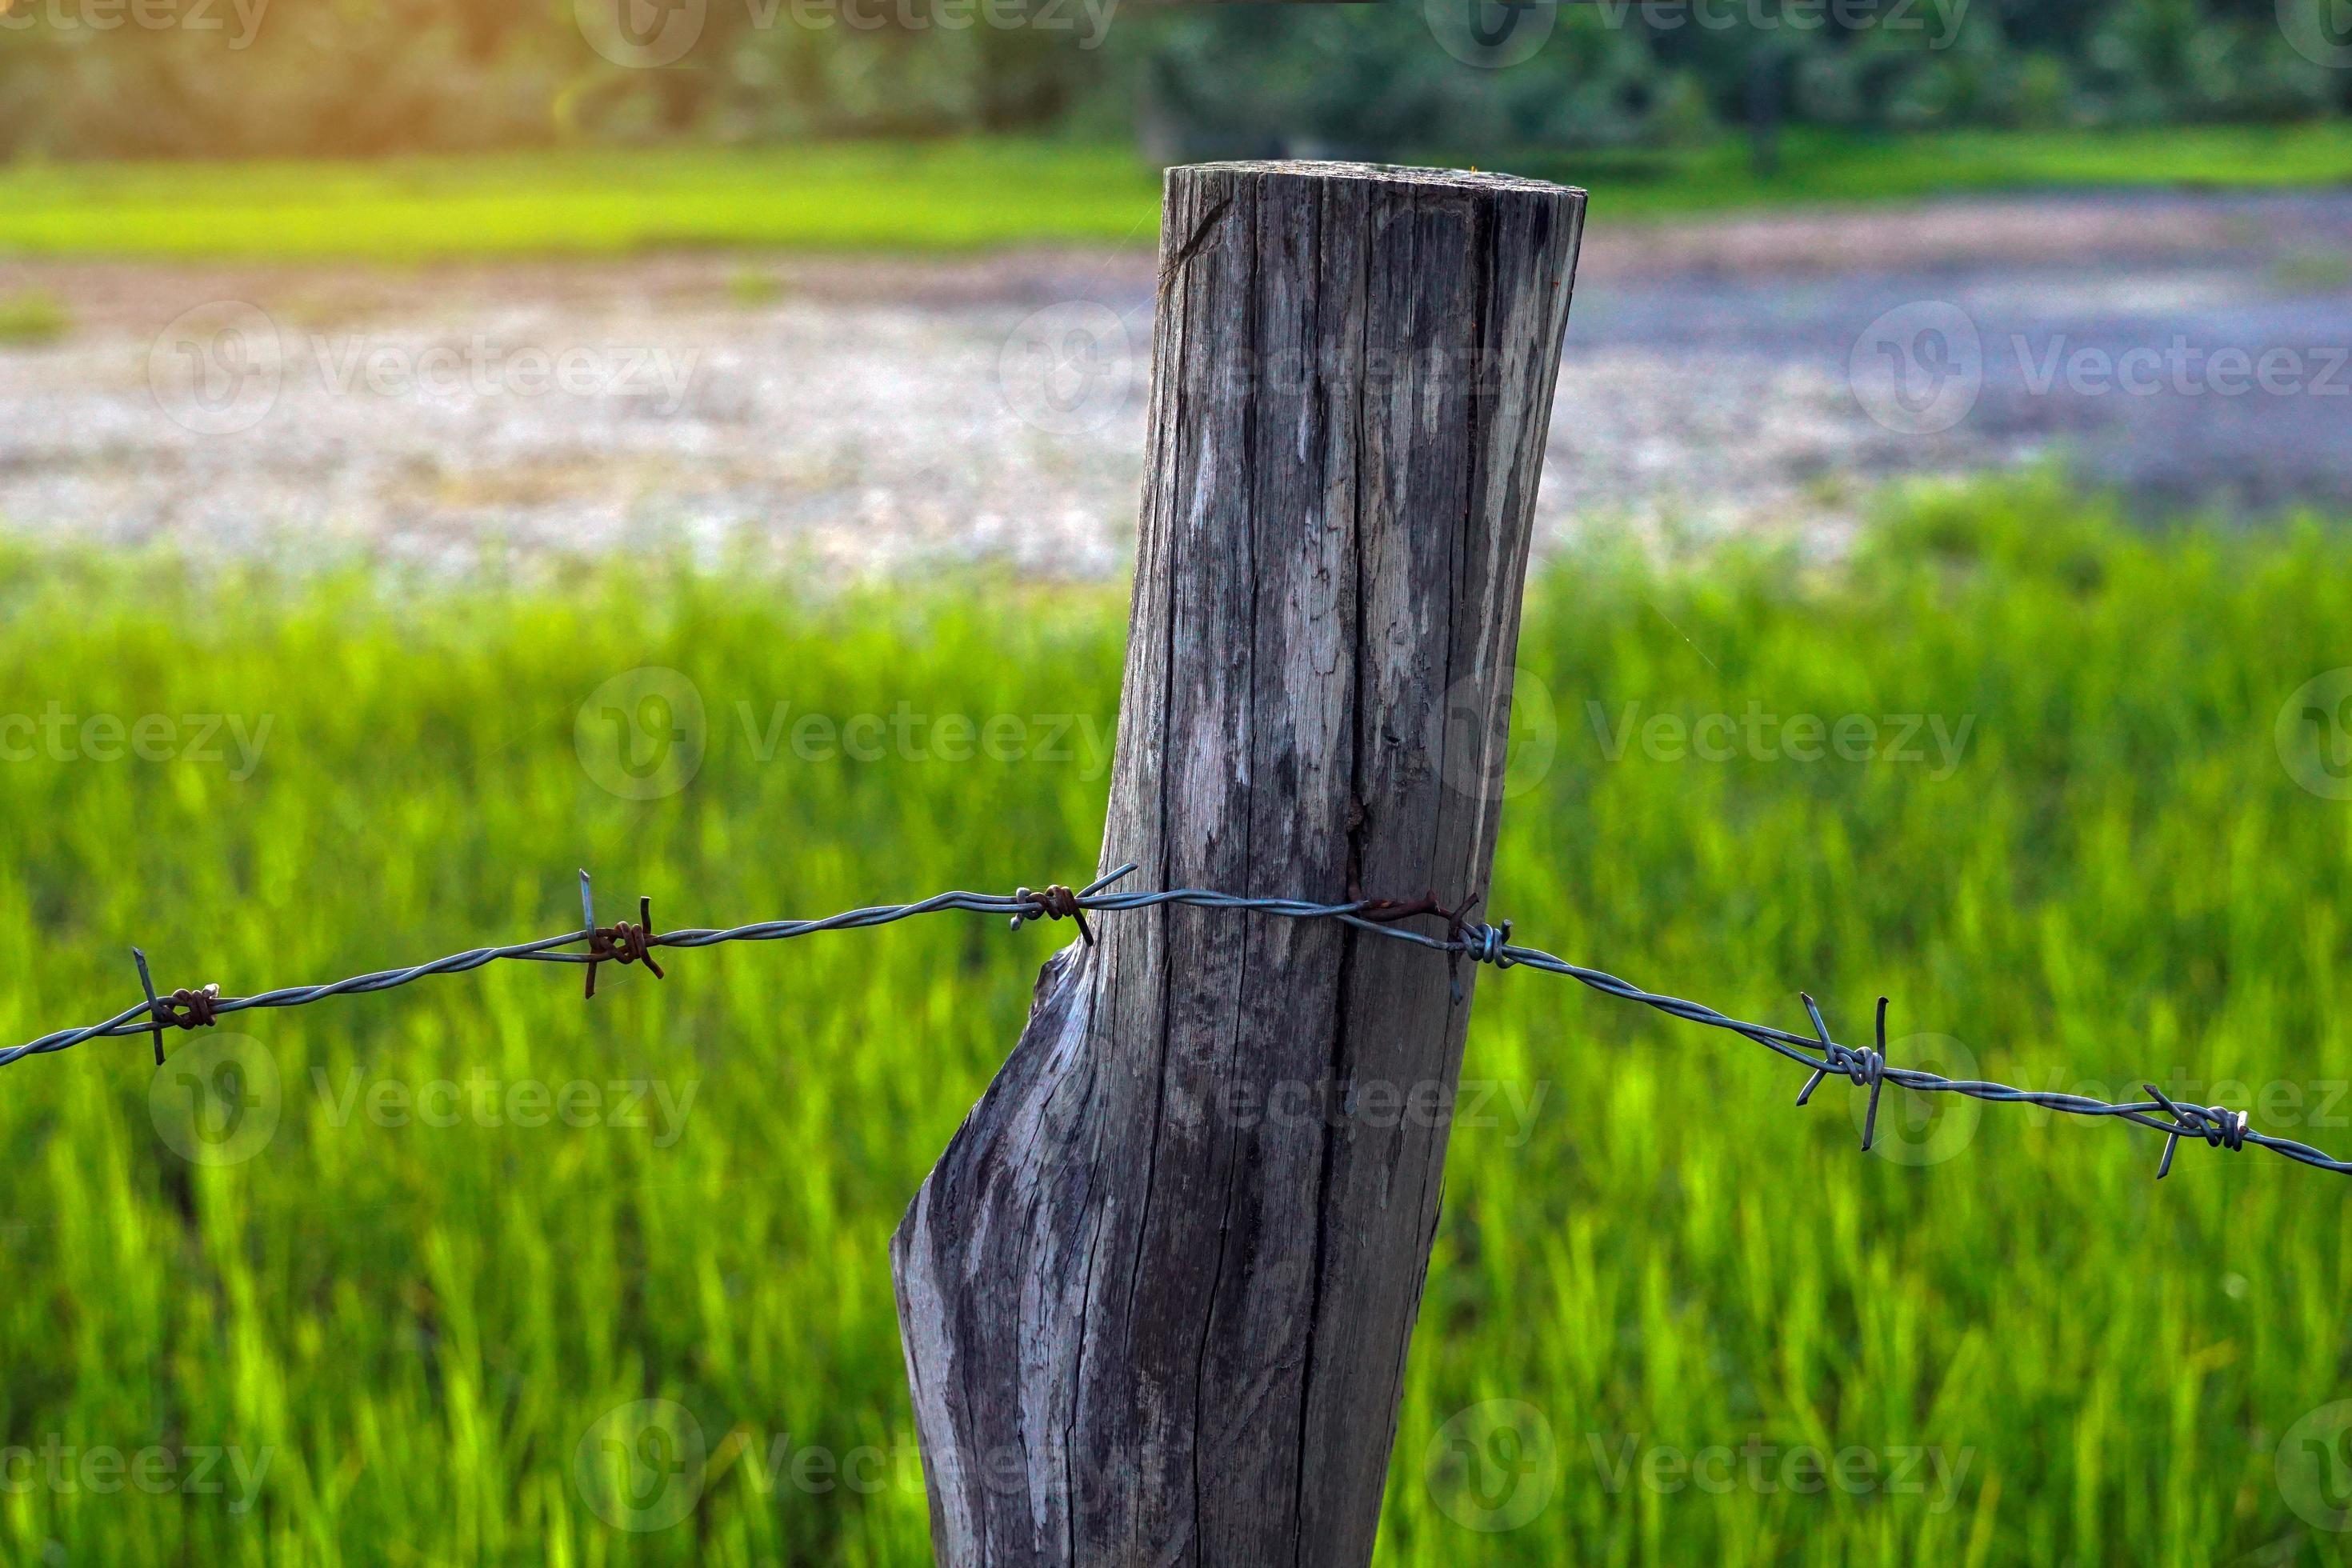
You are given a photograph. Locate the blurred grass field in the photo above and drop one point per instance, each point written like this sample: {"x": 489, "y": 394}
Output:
{"x": 994, "y": 191}
{"x": 414, "y": 1332}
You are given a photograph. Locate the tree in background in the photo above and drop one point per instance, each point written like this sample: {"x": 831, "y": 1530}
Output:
{"x": 1402, "y": 79}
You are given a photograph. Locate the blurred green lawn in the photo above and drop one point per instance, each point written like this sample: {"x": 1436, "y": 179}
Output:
{"x": 406, "y": 1311}
{"x": 945, "y": 195}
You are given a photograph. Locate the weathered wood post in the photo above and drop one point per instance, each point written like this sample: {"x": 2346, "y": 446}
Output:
{"x": 1157, "y": 1294}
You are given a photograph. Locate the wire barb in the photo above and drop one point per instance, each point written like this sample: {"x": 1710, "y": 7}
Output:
{"x": 1488, "y": 944}
{"x": 1875, "y": 1064}
{"x": 1469, "y": 939}
{"x": 183, "y": 1009}
{"x": 1829, "y": 1048}
{"x": 1865, "y": 1068}
{"x": 1460, "y": 939}
{"x": 619, "y": 942}
{"x": 2218, "y": 1125}
{"x": 1056, "y": 903}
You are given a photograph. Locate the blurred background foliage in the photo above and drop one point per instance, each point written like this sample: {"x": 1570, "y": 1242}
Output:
{"x": 232, "y": 78}
{"x": 420, "y": 1325}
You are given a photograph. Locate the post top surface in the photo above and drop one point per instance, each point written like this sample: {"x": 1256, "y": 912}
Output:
{"x": 1383, "y": 173}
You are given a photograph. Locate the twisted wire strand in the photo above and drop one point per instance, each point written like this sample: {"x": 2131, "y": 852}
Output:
{"x": 1462, "y": 938}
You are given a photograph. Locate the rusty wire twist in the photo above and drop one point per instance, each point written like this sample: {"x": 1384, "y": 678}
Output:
{"x": 622, "y": 941}
{"x": 1056, "y": 903}
{"x": 1463, "y": 939}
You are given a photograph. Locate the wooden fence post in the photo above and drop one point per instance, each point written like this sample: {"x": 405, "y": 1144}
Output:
{"x": 1157, "y": 1294}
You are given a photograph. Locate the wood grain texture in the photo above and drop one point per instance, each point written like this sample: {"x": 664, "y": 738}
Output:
{"x": 1157, "y": 1294}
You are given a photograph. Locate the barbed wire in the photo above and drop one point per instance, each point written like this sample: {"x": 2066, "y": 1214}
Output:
{"x": 1463, "y": 939}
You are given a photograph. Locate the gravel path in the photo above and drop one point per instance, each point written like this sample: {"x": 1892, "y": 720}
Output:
{"x": 1741, "y": 375}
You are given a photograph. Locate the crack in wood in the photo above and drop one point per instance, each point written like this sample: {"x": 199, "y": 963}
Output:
{"x": 1192, "y": 248}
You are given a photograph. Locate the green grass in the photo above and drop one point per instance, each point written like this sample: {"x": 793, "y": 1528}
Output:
{"x": 31, "y": 317}
{"x": 1819, "y": 166}
{"x": 984, "y": 193}
{"x": 751, "y": 287}
{"x": 2314, "y": 270}
{"x": 859, "y": 195}
{"x": 418, "y": 1328}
